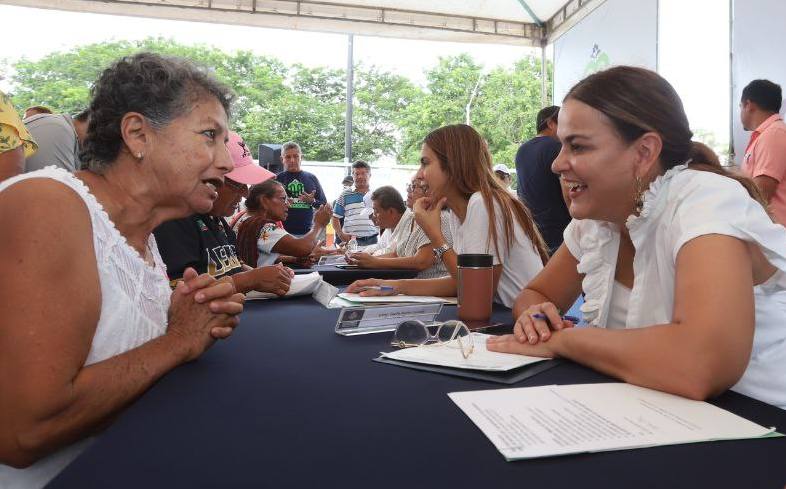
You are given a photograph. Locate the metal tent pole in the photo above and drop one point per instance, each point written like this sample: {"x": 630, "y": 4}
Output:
{"x": 350, "y": 97}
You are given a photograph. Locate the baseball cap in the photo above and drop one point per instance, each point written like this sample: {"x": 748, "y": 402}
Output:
{"x": 246, "y": 171}
{"x": 502, "y": 168}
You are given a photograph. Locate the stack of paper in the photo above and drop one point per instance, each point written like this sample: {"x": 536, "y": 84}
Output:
{"x": 304, "y": 284}
{"x": 558, "y": 420}
{"x": 450, "y": 356}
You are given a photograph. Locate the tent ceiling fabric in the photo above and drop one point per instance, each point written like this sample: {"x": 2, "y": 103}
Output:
{"x": 509, "y": 10}
{"x": 490, "y": 21}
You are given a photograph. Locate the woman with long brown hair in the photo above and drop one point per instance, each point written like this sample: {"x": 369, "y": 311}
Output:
{"x": 456, "y": 166}
{"x": 683, "y": 271}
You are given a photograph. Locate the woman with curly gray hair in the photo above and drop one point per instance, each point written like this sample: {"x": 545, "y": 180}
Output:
{"x": 89, "y": 319}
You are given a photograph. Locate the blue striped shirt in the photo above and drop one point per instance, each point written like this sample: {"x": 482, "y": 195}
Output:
{"x": 356, "y": 211}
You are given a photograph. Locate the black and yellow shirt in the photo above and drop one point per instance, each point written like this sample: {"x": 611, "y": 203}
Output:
{"x": 203, "y": 242}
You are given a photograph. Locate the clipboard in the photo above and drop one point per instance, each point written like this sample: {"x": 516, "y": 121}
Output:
{"x": 511, "y": 377}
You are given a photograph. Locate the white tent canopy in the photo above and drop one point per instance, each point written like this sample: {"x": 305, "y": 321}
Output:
{"x": 519, "y": 22}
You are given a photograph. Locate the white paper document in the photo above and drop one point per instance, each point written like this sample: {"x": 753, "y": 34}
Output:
{"x": 553, "y": 420}
{"x": 391, "y": 299}
{"x": 304, "y": 284}
{"x": 447, "y": 355}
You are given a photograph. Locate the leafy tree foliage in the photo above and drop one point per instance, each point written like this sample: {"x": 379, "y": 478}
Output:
{"x": 277, "y": 103}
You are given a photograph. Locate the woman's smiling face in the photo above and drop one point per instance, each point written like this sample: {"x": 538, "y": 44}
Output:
{"x": 595, "y": 164}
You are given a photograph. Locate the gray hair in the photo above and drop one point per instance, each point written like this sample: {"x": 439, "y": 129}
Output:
{"x": 289, "y": 145}
{"x": 161, "y": 88}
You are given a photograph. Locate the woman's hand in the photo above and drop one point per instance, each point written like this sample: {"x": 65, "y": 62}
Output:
{"x": 275, "y": 279}
{"x": 216, "y": 293}
{"x": 510, "y": 344}
{"x": 323, "y": 215}
{"x": 531, "y": 330}
{"x": 427, "y": 215}
{"x": 363, "y": 260}
{"x": 197, "y": 325}
{"x": 372, "y": 287}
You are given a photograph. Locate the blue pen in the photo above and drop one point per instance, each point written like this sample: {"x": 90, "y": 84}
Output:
{"x": 540, "y": 315}
{"x": 381, "y": 288}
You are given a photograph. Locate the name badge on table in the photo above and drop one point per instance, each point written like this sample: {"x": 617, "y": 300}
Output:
{"x": 332, "y": 260}
{"x": 377, "y": 319}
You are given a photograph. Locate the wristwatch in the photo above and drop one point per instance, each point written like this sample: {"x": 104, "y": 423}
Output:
{"x": 438, "y": 252}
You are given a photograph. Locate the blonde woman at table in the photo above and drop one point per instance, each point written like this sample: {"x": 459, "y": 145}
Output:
{"x": 261, "y": 241}
{"x": 89, "y": 321}
{"x": 455, "y": 166}
{"x": 682, "y": 269}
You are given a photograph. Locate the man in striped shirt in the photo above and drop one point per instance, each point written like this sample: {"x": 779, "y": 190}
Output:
{"x": 354, "y": 205}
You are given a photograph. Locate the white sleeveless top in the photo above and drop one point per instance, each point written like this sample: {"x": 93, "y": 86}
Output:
{"x": 134, "y": 305}
{"x": 679, "y": 206}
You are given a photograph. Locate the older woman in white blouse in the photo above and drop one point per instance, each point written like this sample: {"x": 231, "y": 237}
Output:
{"x": 89, "y": 321}
{"x": 681, "y": 267}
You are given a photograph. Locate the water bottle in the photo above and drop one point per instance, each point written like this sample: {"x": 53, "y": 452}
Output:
{"x": 352, "y": 245}
{"x": 475, "y": 287}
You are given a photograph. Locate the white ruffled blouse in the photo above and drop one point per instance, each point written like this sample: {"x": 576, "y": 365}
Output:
{"x": 681, "y": 205}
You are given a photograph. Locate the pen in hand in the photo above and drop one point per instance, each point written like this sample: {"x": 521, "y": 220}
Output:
{"x": 543, "y": 317}
{"x": 381, "y": 288}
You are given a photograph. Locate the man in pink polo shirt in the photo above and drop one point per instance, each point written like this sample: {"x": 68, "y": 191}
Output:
{"x": 765, "y": 156}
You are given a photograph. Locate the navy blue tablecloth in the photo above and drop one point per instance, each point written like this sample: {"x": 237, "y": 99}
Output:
{"x": 286, "y": 403}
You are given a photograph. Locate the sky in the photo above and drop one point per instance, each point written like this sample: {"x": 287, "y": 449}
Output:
{"x": 698, "y": 65}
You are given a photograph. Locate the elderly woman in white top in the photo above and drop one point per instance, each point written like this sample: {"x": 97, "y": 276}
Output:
{"x": 89, "y": 321}
{"x": 682, "y": 269}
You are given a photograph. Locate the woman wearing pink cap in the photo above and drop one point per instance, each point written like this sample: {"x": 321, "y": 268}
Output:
{"x": 208, "y": 244}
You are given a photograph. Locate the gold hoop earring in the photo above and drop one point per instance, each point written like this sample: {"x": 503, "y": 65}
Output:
{"x": 638, "y": 196}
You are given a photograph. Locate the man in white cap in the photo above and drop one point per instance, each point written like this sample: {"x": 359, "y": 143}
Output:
{"x": 207, "y": 243}
{"x": 503, "y": 173}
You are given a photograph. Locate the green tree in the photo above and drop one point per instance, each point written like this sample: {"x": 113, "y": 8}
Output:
{"x": 452, "y": 87}
{"x": 501, "y": 104}
{"x": 381, "y": 102}
{"x": 506, "y": 114}
{"x": 276, "y": 102}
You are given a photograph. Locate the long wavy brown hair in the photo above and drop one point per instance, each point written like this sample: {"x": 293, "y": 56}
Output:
{"x": 248, "y": 231}
{"x": 464, "y": 156}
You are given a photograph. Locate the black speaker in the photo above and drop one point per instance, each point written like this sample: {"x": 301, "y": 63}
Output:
{"x": 270, "y": 157}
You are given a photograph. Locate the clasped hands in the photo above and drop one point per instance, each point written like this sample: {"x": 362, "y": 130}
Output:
{"x": 202, "y": 310}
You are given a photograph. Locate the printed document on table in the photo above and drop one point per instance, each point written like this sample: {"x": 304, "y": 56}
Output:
{"x": 553, "y": 420}
{"x": 389, "y": 299}
{"x": 449, "y": 355}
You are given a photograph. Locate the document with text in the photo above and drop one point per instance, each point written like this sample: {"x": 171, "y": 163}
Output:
{"x": 545, "y": 421}
{"x": 449, "y": 355}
